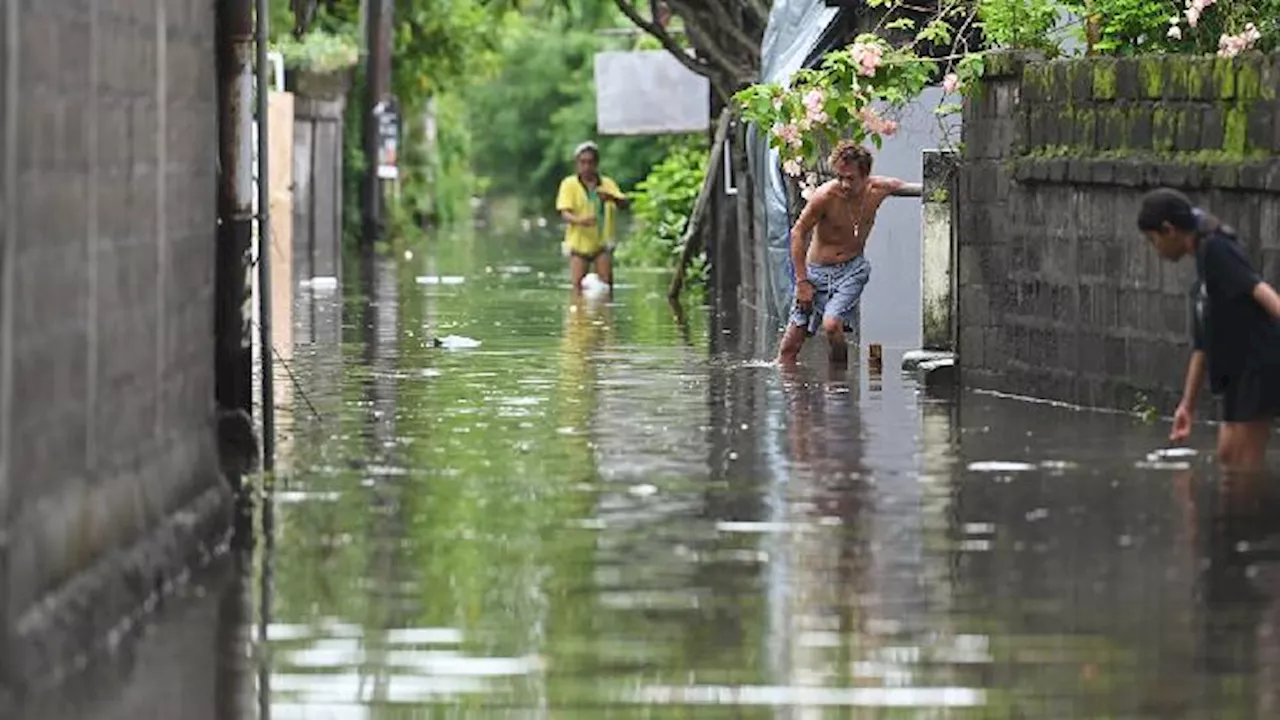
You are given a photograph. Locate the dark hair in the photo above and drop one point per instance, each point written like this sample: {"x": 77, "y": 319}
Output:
{"x": 1167, "y": 206}
{"x": 851, "y": 152}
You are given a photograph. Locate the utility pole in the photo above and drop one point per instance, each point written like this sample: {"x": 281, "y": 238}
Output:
{"x": 377, "y": 89}
{"x": 263, "y": 12}
{"x": 233, "y": 312}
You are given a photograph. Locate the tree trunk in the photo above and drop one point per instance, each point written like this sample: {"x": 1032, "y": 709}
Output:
{"x": 724, "y": 34}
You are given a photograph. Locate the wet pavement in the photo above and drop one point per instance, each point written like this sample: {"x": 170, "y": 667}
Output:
{"x": 611, "y": 511}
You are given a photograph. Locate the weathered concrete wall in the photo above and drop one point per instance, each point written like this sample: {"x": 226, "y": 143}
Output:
{"x": 1059, "y": 298}
{"x": 108, "y": 466}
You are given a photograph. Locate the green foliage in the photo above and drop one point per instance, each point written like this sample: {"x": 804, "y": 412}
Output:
{"x": 848, "y": 96}
{"x": 661, "y": 206}
{"x": 529, "y": 116}
{"x": 440, "y": 44}
{"x": 319, "y": 51}
{"x": 1021, "y": 24}
{"x": 1135, "y": 27}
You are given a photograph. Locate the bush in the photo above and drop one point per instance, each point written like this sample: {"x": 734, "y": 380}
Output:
{"x": 661, "y": 205}
{"x": 319, "y": 52}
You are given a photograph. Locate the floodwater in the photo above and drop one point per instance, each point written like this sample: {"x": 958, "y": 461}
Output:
{"x": 612, "y": 511}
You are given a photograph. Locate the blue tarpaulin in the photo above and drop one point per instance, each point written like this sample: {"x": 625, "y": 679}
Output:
{"x": 798, "y": 34}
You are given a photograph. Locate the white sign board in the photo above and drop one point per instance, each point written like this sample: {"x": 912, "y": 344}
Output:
{"x": 649, "y": 92}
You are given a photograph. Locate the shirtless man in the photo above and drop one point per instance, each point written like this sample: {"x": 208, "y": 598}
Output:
{"x": 831, "y": 274}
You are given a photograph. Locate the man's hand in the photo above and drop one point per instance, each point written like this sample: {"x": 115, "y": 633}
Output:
{"x": 1182, "y": 418}
{"x": 804, "y": 295}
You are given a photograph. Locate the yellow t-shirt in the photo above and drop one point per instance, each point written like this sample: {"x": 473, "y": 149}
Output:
{"x": 574, "y": 197}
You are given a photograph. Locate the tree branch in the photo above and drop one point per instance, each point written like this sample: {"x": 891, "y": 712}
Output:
{"x": 719, "y": 17}
{"x": 723, "y": 61}
{"x": 668, "y": 43}
{"x": 694, "y": 226}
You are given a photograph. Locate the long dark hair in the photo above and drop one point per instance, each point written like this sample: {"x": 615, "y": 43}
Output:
{"x": 1165, "y": 205}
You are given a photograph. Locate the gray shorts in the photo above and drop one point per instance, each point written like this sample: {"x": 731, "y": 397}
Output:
{"x": 837, "y": 291}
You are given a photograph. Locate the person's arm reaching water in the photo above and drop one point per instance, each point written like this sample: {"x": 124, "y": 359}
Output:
{"x": 1186, "y": 411}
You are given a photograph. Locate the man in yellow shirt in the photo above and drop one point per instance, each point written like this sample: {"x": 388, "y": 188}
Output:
{"x": 587, "y": 202}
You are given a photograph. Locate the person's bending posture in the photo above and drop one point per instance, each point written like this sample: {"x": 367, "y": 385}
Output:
{"x": 1235, "y": 327}
{"x": 831, "y": 272}
{"x": 586, "y": 201}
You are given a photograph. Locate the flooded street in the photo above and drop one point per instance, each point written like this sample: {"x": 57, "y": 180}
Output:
{"x": 608, "y": 511}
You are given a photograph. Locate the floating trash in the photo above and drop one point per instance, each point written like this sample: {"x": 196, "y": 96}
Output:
{"x": 323, "y": 282}
{"x": 455, "y": 342}
{"x": 1058, "y": 465}
{"x": 1168, "y": 459}
{"x": 440, "y": 280}
{"x": 644, "y": 490}
{"x": 1000, "y": 466}
{"x": 593, "y": 284}
{"x": 1173, "y": 452}
{"x": 728, "y": 526}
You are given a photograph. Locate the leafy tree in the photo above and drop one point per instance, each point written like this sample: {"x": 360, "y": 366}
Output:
{"x": 527, "y": 119}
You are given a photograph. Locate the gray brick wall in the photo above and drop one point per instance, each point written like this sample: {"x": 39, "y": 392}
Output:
{"x": 106, "y": 406}
{"x": 1059, "y": 297}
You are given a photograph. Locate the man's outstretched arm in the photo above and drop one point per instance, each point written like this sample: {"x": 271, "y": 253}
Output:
{"x": 898, "y": 187}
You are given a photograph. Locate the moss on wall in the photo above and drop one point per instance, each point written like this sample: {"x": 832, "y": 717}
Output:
{"x": 1104, "y": 80}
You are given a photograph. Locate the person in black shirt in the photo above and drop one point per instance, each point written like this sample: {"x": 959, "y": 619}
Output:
{"x": 1235, "y": 327}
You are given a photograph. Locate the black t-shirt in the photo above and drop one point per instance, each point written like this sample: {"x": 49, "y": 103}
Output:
{"x": 1236, "y": 333}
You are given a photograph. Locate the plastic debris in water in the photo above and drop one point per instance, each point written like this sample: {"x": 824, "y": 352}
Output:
{"x": 1000, "y": 466}
{"x": 1173, "y": 452}
{"x": 592, "y": 284}
{"x": 455, "y": 342}
{"x": 440, "y": 280}
{"x": 644, "y": 490}
{"x": 323, "y": 283}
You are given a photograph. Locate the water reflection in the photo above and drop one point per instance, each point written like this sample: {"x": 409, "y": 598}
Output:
{"x": 609, "y": 509}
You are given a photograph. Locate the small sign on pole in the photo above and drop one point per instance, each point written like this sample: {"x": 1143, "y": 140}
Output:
{"x": 387, "y": 116}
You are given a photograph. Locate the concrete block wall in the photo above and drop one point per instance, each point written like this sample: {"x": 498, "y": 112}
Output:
{"x": 1058, "y": 296}
{"x": 106, "y": 322}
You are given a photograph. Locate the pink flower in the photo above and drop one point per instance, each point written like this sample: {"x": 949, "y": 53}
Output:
{"x": 814, "y": 99}
{"x": 876, "y": 124}
{"x": 868, "y": 57}
{"x": 1232, "y": 45}
{"x": 792, "y": 168}
{"x": 1175, "y": 32}
{"x": 950, "y": 83}
{"x": 1196, "y": 8}
{"x": 814, "y": 114}
{"x": 790, "y": 134}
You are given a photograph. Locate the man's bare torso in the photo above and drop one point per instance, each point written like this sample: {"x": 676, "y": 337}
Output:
{"x": 845, "y": 220}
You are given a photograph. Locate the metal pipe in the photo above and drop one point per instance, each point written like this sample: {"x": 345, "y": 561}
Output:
{"x": 233, "y": 309}
{"x": 264, "y": 243}
{"x": 9, "y": 104}
{"x": 377, "y": 62}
